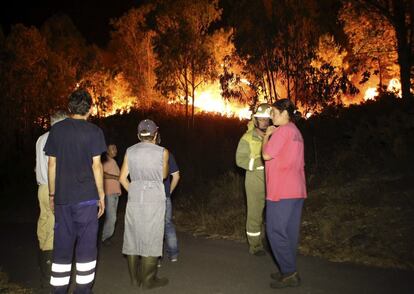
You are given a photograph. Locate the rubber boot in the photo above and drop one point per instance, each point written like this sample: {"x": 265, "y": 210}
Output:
{"x": 256, "y": 246}
{"x": 45, "y": 264}
{"x": 149, "y": 270}
{"x": 133, "y": 269}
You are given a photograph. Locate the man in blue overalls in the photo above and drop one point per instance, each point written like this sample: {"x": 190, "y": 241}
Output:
{"x": 76, "y": 193}
{"x": 170, "y": 183}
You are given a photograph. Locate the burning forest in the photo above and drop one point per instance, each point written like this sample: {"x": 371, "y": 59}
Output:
{"x": 209, "y": 57}
{"x": 199, "y": 68}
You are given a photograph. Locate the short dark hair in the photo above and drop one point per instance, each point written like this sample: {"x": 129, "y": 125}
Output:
{"x": 80, "y": 102}
{"x": 104, "y": 157}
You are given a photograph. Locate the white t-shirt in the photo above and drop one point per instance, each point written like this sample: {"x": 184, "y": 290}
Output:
{"x": 41, "y": 160}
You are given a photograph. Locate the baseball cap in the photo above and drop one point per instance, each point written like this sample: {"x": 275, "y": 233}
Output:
{"x": 147, "y": 127}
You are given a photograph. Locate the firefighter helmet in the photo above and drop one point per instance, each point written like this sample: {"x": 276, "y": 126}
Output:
{"x": 263, "y": 110}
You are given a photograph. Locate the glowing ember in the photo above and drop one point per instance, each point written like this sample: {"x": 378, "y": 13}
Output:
{"x": 309, "y": 114}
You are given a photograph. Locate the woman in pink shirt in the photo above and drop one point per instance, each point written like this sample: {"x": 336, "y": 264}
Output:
{"x": 112, "y": 189}
{"x": 283, "y": 151}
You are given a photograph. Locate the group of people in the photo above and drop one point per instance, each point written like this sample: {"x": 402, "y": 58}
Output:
{"x": 272, "y": 153}
{"x": 79, "y": 181}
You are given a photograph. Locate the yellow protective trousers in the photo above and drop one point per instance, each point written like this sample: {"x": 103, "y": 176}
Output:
{"x": 255, "y": 193}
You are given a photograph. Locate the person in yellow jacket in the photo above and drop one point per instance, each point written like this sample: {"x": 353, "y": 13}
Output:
{"x": 249, "y": 158}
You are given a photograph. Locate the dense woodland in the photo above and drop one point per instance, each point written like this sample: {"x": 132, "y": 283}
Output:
{"x": 321, "y": 54}
{"x": 316, "y": 52}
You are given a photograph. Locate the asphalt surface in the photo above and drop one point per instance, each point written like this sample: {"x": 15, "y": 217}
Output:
{"x": 205, "y": 267}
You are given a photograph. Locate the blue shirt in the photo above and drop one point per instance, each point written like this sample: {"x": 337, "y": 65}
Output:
{"x": 74, "y": 142}
{"x": 173, "y": 168}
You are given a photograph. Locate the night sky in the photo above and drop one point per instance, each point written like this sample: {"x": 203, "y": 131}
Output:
{"x": 91, "y": 17}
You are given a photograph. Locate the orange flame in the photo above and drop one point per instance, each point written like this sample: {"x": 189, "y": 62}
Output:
{"x": 209, "y": 99}
{"x": 394, "y": 86}
{"x": 370, "y": 94}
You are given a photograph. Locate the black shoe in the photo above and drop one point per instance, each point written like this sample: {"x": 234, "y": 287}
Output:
{"x": 275, "y": 276}
{"x": 289, "y": 280}
{"x": 259, "y": 252}
{"x": 106, "y": 242}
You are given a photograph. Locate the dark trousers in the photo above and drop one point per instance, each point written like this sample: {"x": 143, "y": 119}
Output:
{"x": 282, "y": 227}
{"x": 75, "y": 224}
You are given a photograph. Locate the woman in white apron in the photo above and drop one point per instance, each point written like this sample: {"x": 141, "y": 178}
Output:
{"x": 147, "y": 165}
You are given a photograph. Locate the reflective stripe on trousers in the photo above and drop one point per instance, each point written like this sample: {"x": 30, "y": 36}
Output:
{"x": 253, "y": 234}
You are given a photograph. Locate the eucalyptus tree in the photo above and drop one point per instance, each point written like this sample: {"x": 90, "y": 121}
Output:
{"x": 400, "y": 15}
{"x": 182, "y": 46}
{"x": 24, "y": 83}
{"x": 278, "y": 40}
{"x": 133, "y": 52}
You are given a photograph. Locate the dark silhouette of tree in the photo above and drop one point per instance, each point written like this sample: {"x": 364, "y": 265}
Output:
{"x": 254, "y": 37}
{"x": 24, "y": 83}
{"x": 2, "y": 38}
{"x": 97, "y": 82}
{"x": 327, "y": 76}
{"x": 372, "y": 43}
{"x": 278, "y": 40}
{"x": 400, "y": 15}
{"x": 65, "y": 40}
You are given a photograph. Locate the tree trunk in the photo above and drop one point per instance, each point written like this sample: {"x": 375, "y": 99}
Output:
{"x": 379, "y": 74}
{"x": 192, "y": 94}
{"x": 149, "y": 81}
{"x": 400, "y": 15}
{"x": 288, "y": 86}
{"x": 186, "y": 96}
{"x": 287, "y": 72}
{"x": 405, "y": 65}
{"x": 192, "y": 109}
{"x": 274, "y": 86}
{"x": 264, "y": 85}
{"x": 404, "y": 40}
{"x": 269, "y": 83}
{"x": 296, "y": 90}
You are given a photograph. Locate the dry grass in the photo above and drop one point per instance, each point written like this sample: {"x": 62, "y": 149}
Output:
{"x": 367, "y": 221}
{"x": 217, "y": 209}
{"x": 9, "y": 288}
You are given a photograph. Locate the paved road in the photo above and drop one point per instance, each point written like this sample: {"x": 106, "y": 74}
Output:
{"x": 207, "y": 267}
